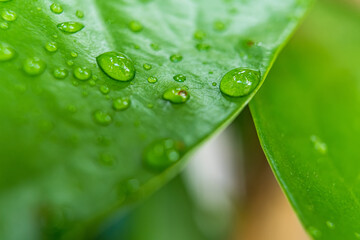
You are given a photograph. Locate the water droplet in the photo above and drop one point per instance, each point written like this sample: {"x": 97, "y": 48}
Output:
{"x": 80, "y": 14}
{"x": 6, "y": 52}
{"x": 70, "y": 62}
{"x": 214, "y": 84}
{"x": 330, "y": 224}
{"x": 70, "y": 27}
{"x": 56, "y": 8}
{"x": 74, "y": 54}
{"x": 161, "y": 154}
{"x": 60, "y": 73}
{"x": 117, "y": 65}
{"x": 82, "y": 73}
{"x": 180, "y": 78}
{"x": 121, "y": 103}
{"x": 102, "y": 118}
{"x": 147, "y": 66}
{"x": 152, "y": 79}
{"x": 104, "y": 89}
{"x": 319, "y": 145}
{"x": 203, "y": 46}
{"x": 176, "y": 58}
{"x": 155, "y": 46}
{"x": 176, "y": 95}
{"x": 106, "y": 159}
{"x": 51, "y": 47}
{"x": 219, "y": 26}
{"x": 34, "y": 66}
{"x": 8, "y": 15}
{"x": 314, "y": 232}
{"x": 135, "y": 26}
{"x": 199, "y": 35}
{"x": 92, "y": 83}
{"x": 4, "y": 25}
{"x": 239, "y": 82}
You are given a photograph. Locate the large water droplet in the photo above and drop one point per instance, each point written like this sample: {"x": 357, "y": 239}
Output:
{"x": 8, "y": 15}
{"x": 82, "y": 73}
{"x": 102, "y": 118}
{"x": 56, "y": 8}
{"x": 180, "y": 78}
{"x": 135, "y": 26}
{"x": 70, "y": 27}
{"x": 51, "y": 46}
{"x": 117, "y": 65}
{"x": 239, "y": 82}
{"x": 161, "y": 154}
{"x": 60, "y": 73}
{"x": 34, "y": 66}
{"x": 121, "y": 103}
{"x": 176, "y": 95}
{"x": 6, "y": 52}
{"x": 175, "y": 58}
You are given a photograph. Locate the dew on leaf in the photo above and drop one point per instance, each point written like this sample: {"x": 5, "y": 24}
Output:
{"x": 51, "y": 47}
{"x": 176, "y": 58}
{"x": 152, "y": 79}
{"x": 70, "y": 62}
{"x": 199, "y": 35}
{"x": 319, "y": 145}
{"x": 219, "y": 26}
{"x": 176, "y": 95}
{"x": 82, "y": 73}
{"x": 147, "y": 66}
{"x": 162, "y": 154}
{"x": 330, "y": 224}
{"x": 6, "y": 52}
{"x": 135, "y": 26}
{"x": 239, "y": 82}
{"x": 4, "y": 25}
{"x": 56, "y": 8}
{"x": 117, "y": 65}
{"x": 214, "y": 84}
{"x": 102, "y": 118}
{"x": 203, "y": 46}
{"x": 34, "y": 66}
{"x": 104, "y": 89}
{"x": 155, "y": 46}
{"x": 92, "y": 82}
{"x": 74, "y": 54}
{"x": 180, "y": 78}
{"x": 8, "y": 15}
{"x": 314, "y": 232}
{"x": 60, "y": 73}
{"x": 121, "y": 103}
{"x": 79, "y": 14}
{"x": 70, "y": 27}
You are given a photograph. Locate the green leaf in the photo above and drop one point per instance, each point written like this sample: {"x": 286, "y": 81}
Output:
{"x": 308, "y": 121}
{"x": 73, "y": 137}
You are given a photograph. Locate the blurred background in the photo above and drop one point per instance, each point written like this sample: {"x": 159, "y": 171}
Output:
{"x": 227, "y": 190}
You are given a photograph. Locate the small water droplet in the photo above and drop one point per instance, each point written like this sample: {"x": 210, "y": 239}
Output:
{"x": 34, "y": 66}
{"x": 147, "y": 66}
{"x": 121, "y": 103}
{"x": 319, "y": 145}
{"x": 162, "y": 154}
{"x": 330, "y": 224}
{"x": 82, "y": 73}
{"x": 4, "y": 25}
{"x": 239, "y": 82}
{"x": 92, "y": 83}
{"x": 70, "y": 62}
{"x": 176, "y": 95}
{"x": 135, "y": 26}
{"x": 203, "y": 46}
{"x": 74, "y": 54}
{"x": 6, "y": 52}
{"x": 219, "y": 26}
{"x": 214, "y": 84}
{"x": 80, "y": 14}
{"x": 8, "y": 15}
{"x": 176, "y": 58}
{"x": 102, "y": 118}
{"x": 70, "y": 27}
{"x": 180, "y": 78}
{"x": 106, "y": 159}
{"x": 314, "y": 232}
{"x": 117, "y": 65}
{"x": 71, "y": 108}
{"x": 104, "y": 89}
{"x": 56, "y": 8}
{"x": 199, "y": 35}
{"x": 150, "y": 105}
{"x": 155, "y": 46}
{"x": 51, "y": 47}
{"x": 152, "y": 79}
{"x": 60, "y": 73}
